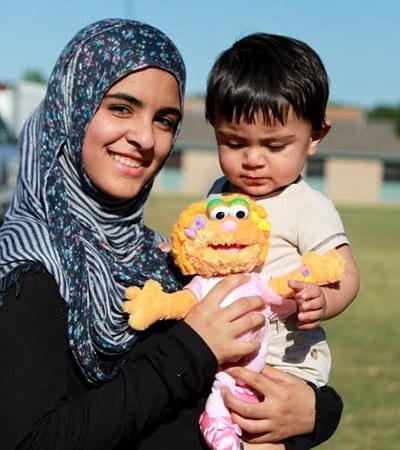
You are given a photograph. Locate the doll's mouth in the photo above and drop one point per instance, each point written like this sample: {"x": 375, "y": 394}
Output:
{"x": 227, "y": 248}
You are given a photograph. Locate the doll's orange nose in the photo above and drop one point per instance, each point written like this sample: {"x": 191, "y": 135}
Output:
{"x": 228, "y": 225}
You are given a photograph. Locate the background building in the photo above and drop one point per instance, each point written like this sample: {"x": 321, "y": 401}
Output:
{"x": 357, "y": 162}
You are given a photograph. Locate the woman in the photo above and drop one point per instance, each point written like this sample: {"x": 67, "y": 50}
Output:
{"x": 73, "y": 374}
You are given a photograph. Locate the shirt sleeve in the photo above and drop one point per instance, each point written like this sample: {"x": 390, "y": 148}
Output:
{"x": 41, "y": 408}
{"x": 328, "y": 411}
{"x": 320, "y": 226}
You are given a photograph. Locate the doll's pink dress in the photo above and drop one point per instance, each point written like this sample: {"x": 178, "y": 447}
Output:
{"x": 216, "y": 424}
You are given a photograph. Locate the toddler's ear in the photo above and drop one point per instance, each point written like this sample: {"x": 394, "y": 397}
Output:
{"x": 317, "y": 136}
{"x": 326, "y": 126}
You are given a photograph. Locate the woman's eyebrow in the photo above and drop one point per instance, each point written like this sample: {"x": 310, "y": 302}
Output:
{"x": 134, "y": 101}
{"x": 126, "y": 97}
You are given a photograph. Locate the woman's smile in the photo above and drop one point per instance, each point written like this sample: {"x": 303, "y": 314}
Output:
{"x": 127, "y": 161}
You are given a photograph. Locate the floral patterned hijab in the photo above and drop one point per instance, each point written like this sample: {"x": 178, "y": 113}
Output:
{"x": 93, "y": 245}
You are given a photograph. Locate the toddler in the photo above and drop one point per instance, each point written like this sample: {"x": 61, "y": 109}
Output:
{"x": 266, "y": 100}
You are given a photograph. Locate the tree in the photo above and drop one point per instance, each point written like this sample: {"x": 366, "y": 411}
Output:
{"x": 387, "y": 112}
{"x": 35, "y": 76}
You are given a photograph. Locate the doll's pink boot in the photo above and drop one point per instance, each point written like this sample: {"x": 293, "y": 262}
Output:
{"x": 220, "y": 433}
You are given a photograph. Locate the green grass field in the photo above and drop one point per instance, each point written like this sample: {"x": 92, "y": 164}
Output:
{"x": 365, "y": 339}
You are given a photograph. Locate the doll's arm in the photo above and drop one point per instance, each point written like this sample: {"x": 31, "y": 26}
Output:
{"x": 319, "y": 269}
{"x": 149, "y": 304}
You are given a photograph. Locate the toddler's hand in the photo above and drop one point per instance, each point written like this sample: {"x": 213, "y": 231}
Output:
{"x": 311, "y": 303}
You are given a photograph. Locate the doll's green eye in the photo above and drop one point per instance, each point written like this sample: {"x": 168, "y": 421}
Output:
{"x": 238, "y": 212}
{"x": 219, "y": 212}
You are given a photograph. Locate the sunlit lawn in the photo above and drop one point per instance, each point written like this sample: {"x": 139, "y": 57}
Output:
{"x": 365, "y": 339}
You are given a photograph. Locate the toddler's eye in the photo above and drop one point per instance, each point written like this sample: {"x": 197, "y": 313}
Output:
{"x": 234, "y": 145}
{"x": 219, "y": 212}
{"x": 276, "y": 147}
{"x": 239, "y": 211}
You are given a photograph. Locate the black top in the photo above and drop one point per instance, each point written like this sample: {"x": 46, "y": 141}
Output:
{"x": 155, "y": 400}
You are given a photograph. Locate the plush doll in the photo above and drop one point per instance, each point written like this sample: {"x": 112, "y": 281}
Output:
{"x": 212, "y": 239}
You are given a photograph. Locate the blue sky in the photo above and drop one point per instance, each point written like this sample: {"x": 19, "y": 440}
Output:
{"x": 359, "y": 41}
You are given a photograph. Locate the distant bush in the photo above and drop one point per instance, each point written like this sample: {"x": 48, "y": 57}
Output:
{"x": 386, "y": 112}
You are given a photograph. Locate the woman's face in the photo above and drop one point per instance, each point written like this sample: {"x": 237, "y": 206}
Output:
{"x": 131, "y": 133}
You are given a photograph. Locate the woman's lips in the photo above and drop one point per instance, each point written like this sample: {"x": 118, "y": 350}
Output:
{"x": 126, "y": 161}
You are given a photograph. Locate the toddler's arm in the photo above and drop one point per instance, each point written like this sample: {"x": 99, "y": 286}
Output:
{"x": 317, "y": 303}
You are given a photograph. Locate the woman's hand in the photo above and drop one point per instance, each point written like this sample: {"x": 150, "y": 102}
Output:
{"x": 248, "y": 446}
{"x": 221, "y": 327}
{"x": 286, "y": 408}
{"x": 165, "y": 246}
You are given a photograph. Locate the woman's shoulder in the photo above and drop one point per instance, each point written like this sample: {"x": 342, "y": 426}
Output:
{"x": 32, "y": 286}
{"x": 33, "y": 275}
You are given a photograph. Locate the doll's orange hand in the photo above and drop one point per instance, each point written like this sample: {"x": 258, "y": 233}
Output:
{"x": 311, "y": 303}
{"x": 144, "y": 306}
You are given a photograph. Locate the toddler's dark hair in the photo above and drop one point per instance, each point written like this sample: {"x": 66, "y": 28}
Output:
{"x": 268, "y": 74}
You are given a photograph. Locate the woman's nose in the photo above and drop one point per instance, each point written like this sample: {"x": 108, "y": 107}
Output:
{"x": 141, "y": 133}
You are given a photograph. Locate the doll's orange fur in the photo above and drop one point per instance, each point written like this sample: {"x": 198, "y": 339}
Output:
{"x": 210, "y": 251}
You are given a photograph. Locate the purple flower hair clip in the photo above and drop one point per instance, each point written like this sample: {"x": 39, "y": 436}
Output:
{"x": 198, "y": 223}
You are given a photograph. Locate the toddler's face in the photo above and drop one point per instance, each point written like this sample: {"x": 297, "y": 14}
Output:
{"x": 258, "y": 158}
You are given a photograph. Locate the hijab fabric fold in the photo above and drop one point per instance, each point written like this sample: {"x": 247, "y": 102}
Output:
{"x": 94, "y": 246}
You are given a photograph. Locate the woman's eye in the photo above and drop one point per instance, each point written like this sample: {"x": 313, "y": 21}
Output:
{"x": 168, "y": 123}
{"x": 120, "y": 109}
{"x": 238, "y": 212}
{"x": 219, "y": 213}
